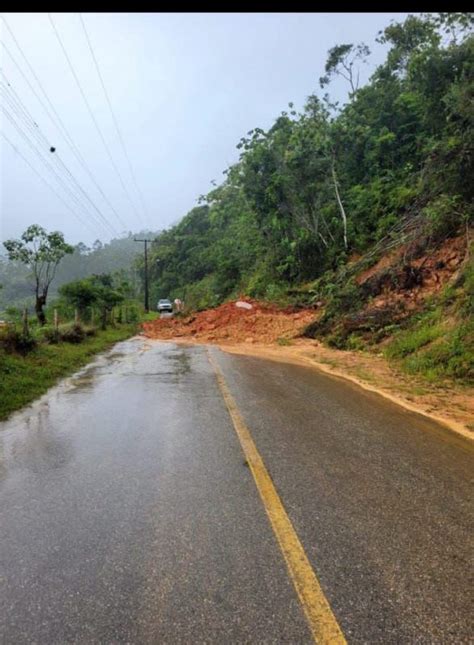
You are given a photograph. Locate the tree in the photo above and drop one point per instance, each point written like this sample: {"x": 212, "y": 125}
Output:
{"x": 96, "y": 290}
{"x": 413, "y": 36}
{"x": 81, "y": 294}
{"x": 341, "y": 62}
{"x": 107, "y": 296}
{"x": 41, "y": 252}
{"x": 82, "y": 248}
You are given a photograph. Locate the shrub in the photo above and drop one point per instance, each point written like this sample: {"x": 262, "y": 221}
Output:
{"x": 343, "y": 300}
{"x": 132, "y": 313}
{"x": 452, "y": 356}
{"x": 74, "y": 333}
{"x": 355, "y": 342}
{"x": 17, "y": 341}
{"x": 13, "y": 314}
{"x": 48, "y": 334}
{"x": 444, "y": 214}
{"x": 409, "y": 341}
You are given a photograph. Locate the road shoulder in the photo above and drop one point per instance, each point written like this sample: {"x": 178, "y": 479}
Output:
{"x": 451, "y": 409}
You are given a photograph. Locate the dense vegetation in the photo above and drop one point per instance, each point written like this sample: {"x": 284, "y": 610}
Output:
{"x": 116, "y": 256}
{"x": 334, "y": 182}
{"x": 318, "y": 197}
{"x": 65, "y": 333}
{"x": 438, "y": 342}
{"x": 89, "y": 316}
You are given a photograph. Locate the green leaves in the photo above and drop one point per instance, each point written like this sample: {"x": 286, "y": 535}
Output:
{"x": 38, "y": 246}
{"x": 96, "y": 290}
{"x": 41, "y": 252}
{"x": 343, "y": 60}
{"x": 301, "y": 188}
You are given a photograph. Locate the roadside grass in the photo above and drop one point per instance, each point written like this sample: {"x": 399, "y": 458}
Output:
{"x": 25, "y": 378}
{"x": 426, "y": 330}
{"x": 326, "y": 361}
{"x": 436, "y": 347}
{"x": 365, "y": 375}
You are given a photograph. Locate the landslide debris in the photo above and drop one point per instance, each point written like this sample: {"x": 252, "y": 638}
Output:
{"x": 375, "y": 302}
{"x": 233, "y": 322}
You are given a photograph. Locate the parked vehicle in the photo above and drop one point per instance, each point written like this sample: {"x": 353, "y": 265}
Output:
{"x": 165, "y": 305}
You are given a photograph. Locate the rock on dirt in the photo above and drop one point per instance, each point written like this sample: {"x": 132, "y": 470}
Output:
{"x": 231, "y": 322}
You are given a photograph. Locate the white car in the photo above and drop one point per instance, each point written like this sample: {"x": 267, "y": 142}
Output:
{"x": 164, "y": 306}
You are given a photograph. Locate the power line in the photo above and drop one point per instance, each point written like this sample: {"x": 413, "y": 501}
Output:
{"x": 34, "y": 129}
{"x": 91, "y": 113}
{"x": 56, "y": 119}
{"x": 45, "y": 162}
{"x": 48, "y": 166}
{"x": 119, "y": 133}
{"x": 42, "y": 140}
{"x": 147, "y": 303}
{"x": 46, "y": 182}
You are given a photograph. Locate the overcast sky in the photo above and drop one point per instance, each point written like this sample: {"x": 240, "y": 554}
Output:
{"x": 184, "y": 88}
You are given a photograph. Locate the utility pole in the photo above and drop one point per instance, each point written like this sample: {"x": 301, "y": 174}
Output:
{"x": 147, "y": 307}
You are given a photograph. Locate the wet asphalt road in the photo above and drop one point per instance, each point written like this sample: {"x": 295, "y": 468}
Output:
{"x": 128, "y": 514}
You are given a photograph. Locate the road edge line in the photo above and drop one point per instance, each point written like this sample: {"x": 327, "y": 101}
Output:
{"x": 322, "y": 622}
{"x": 455, "y": 428}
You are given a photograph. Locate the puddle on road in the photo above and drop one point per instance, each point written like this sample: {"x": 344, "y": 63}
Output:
{"x": 114, "y": 355}
{"x": 41, "y": 437}
{"x": 82, "y": 382}
{"x": 135, "y": 357}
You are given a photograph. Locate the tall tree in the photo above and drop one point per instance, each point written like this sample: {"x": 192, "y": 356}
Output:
{"x": 344, "y": 61}
{"x": 41, "y": 252}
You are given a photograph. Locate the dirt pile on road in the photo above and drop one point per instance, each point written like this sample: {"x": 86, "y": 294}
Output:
{"x": 238, "y": 321}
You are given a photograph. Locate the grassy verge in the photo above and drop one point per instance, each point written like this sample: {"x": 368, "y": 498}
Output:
{"x": 436, "y": 348}
{"x": 25, "y": 378}
{"x": 439, "y": 342}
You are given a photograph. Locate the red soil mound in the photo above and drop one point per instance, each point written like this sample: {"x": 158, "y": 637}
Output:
{"x": 229, "y": 323}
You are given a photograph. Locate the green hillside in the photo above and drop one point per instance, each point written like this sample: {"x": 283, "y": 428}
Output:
{"x": 336, "y": 182}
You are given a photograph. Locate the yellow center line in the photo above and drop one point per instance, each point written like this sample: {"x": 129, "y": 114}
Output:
{"x": 322, "y": 622}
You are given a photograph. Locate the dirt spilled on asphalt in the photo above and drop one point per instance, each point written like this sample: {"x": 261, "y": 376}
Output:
{"x": 244, "y": 321}
{"x": 251, "y": 327}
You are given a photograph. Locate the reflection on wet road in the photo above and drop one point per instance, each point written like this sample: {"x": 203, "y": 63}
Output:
{"x": 128, "y": 513}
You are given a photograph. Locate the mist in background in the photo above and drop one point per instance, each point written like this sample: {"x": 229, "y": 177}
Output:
{"x": 184, "y": 89}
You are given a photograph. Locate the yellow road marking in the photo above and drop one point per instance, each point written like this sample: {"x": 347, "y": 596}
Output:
{"x": 322, "y": 622}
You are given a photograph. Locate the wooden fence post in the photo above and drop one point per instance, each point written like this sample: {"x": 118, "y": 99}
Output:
{"x": 76, "y": 316}
{"x": 56, "y": 321}
{"x": 26, "y": 330}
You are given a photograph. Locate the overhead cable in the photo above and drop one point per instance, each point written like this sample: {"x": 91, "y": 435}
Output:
{"x": 45, "y": 161}
{"x": 55, "y": 117}
{"x": 46, "y": 182}
{"x": 91, "y": 114}
{"x": 114, "y": 119}
{"x": 35, "y": 131}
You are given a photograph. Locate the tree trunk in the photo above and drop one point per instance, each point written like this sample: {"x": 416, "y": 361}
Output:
{"x": 40, "y": 303}
{"x": 26, "y": 329}
{"x": 339, "y": 201}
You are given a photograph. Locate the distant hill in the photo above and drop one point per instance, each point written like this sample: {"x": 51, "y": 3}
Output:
{"x": 119, "y": 254}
